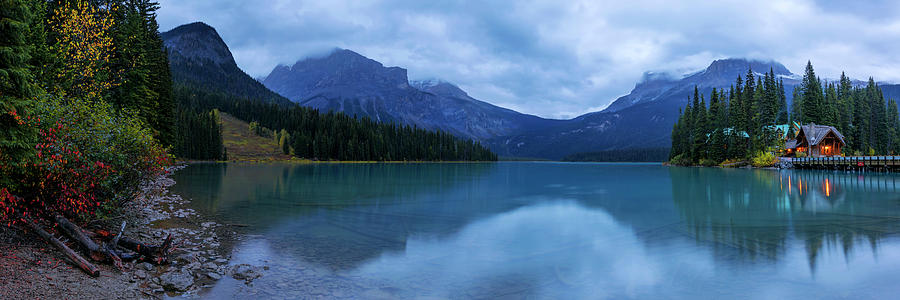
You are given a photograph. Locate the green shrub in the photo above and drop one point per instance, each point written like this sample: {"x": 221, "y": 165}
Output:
{"x": 764, "y": 159}
{"x": 681, "y": 160}
{"x": 707, "y": 162}
{"x": 801, "y": 154}
{"x": 731, "y": 163}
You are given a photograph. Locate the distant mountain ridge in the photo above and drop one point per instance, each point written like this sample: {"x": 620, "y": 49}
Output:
{"x": 720, "y": 73}
{"x": 641, "y": 119}
{"x": 348, "y": 82}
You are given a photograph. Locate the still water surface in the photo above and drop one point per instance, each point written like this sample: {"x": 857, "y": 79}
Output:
{"x": 553, "y": 230}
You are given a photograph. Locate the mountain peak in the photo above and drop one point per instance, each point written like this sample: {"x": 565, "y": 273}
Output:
{"x": 439, "y": 87}
{"x": 339, "y": 58}
{"x": 340, "y": 72}
{"x": 197, "y": 42}
{"x": 732, "y": 65}
{"x": 192, "y": 27}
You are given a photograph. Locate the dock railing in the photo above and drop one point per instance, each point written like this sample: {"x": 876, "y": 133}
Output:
{"x": 875, "y": 163}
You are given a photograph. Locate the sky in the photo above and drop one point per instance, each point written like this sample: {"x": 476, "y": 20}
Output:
{"x": 555, "y": 58}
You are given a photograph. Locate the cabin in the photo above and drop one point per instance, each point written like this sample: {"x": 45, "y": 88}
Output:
{"x": 816, "y": 141}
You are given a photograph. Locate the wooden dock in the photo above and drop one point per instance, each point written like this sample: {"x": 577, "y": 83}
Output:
{"x": 849, "y": 163}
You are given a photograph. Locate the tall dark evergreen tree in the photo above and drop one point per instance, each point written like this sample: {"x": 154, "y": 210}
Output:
{"x": 716, "y": 142}
{"x": 845, "y": 104}
{"x": 735, "y": 104}
{"x": 145, "y": 86}
{"x": 748, "y": 102}
{"x": 782, "y": 117}
{"x": 812, "y": 100}
{"x": 893, "y": 128}
{"x": 16, "y": 89}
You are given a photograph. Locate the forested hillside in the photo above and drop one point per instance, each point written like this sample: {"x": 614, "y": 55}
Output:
{"x": 335, "y": 136}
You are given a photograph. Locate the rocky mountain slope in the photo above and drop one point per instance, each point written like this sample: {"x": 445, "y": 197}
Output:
{"x": 345, "y": 81}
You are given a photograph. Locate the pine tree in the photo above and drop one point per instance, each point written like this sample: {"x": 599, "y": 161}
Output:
{"x": 16, "y": 90}
{"x": 782, "y": 117}
{"x": 735, "y": 104}
{"x": 813, "y": 101}
{"x": 700, "y": 128}
{"x": 41, "y": 60}
{"x": 879, "y": 123}
{"x": 893, "y": 120}
{"x": 748, "y": 102}
{"x": 717, "y": 139}
{"x": 845, "y": 104}
{"x": 830, "y": 109}
{"x": 769, "y": 107}
{"x": 162, "y": 105}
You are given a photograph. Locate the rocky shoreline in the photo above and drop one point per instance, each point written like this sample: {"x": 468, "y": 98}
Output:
{"x": 31, "y": 269}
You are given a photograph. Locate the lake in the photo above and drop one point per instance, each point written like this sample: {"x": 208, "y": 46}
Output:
{"x": 539, "y": 230}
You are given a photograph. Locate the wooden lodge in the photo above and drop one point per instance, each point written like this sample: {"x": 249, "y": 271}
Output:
{"x": 816, "y": 141}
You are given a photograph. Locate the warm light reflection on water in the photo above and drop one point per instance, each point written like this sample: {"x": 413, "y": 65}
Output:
{"x": 554, "y": 230}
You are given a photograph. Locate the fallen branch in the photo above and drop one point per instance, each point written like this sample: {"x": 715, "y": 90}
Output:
{"x": 159, "y": 254}
{"x": 115, "y": 240}
{"x": 96, "y": 251}
{"x": 77, "y": 259}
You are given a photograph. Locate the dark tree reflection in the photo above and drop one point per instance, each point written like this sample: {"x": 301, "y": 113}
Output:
{"x": 751, "y": 215}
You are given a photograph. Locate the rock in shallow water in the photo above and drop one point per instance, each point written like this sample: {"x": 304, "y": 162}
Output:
{"x": 245, "y": 272}
{"x": 177, "y": 281}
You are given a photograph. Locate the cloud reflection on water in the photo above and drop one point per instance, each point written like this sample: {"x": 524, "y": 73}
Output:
{"x": 555, "y": 249}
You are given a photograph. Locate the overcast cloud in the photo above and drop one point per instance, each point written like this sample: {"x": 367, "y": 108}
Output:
{"x": 553, "y": 58}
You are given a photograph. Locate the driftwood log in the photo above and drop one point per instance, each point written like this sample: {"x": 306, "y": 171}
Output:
{"x": 159, "y": 254}
{"x": 111, "y": 249}
{"x": 77, "y": 259}
{"x": 96, "y": 252}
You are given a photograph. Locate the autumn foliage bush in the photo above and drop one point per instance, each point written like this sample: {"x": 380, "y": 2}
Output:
{"x": 87, "y": 159}
{"x": 64, "y": 149}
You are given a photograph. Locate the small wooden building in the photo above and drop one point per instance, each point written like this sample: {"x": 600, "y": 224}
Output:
{"x": 816, "y": 140}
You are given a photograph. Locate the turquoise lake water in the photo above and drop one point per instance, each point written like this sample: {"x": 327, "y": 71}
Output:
{"x": 536, "y": 230}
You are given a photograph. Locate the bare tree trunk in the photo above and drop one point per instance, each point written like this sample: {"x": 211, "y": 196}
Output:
{"x": 77, "y": 259}
{"x": 96, "y": 251}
